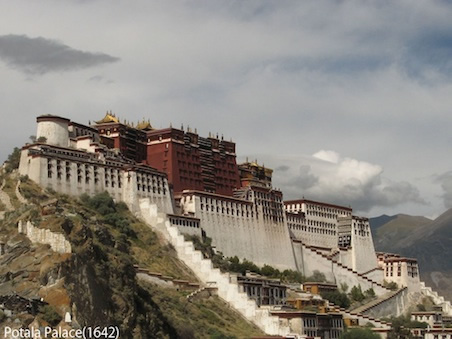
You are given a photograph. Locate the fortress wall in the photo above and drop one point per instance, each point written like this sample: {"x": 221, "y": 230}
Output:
{"x": 243, "y": 235}
{"x": 77, "y": 175}
{"x": 375, "y": 275}
{"x": 298, "y": 255}
{"x": 316, "y": 236}
{"x": 345, "y": 257}
{"x": 392, "y": 306}
{"x": 57, "y": 241}
{"x": 30, "y": 166}
{"x": 311, "y": 261}
{"x": 363, "y": 251}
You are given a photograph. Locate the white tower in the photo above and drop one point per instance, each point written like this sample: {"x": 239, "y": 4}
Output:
{"x": 54, "y": 129}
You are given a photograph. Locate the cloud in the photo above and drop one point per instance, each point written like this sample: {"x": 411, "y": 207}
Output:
{"x": 445, "y": 181}
{"x": 326, "y": 176}
{"x": 41, "y": 55}
{"x": 329, "y": 156}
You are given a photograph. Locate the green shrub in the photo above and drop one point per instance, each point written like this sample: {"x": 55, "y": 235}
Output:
{"x": 390, "y": 285}
{"x": 13, "y": 160}
{"x": 336, "y": 297}
{"x": 370, "y": 293}
{"x": 316, "y": 277}
{"x": 356, "y": 294}
{"x": 49, "y": 314}
{"x": 360, "y": 333}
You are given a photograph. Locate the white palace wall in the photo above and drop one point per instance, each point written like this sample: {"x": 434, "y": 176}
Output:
{"x": 57, "y": 241}
{"x": 54, "y": 130}
{"x": 310, "y": 261}
{"x": 76, "y": 172}
{"x": 363, "y": 252}
{"x": 236, "y": 231}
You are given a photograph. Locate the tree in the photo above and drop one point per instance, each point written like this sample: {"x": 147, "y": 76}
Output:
{"x": 316, "y": 276}
{"x": 336, "y": 298}
{"x": 360, "y": 333}
{"x": 344, "y": 287}
{"x": 370, "y": 293}
{"x": 42, "y": 139}
{"x": 356, "y": 293}
{"x": 13, "y": 160}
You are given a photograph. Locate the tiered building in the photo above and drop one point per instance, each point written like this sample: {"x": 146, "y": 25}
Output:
{"x": 190, "y": 161}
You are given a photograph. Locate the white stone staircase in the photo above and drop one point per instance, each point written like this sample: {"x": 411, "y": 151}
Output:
{"x": 206, "y": 273}
{"x": 363, "y": 319}
{"x": 342, "y": 271}
{"x": 437, "y": 299}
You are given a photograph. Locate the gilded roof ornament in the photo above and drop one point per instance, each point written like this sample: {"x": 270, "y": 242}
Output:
{"x": 144, "y": 125}
{"x": 109, "y": 117}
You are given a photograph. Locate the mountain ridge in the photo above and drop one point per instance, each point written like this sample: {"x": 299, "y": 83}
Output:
{"x": 429, "y": 241}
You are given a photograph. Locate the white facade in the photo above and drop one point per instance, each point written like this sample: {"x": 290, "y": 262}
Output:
{"x": 241, "y": 228}
{"x": 89, "y": 167}
{"x": 403, "y": 271}
{"x": 355, "y": 235}
{"x": 319, "y": 227}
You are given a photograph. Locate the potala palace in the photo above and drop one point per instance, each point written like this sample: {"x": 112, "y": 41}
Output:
{"x": 182, "y": 183}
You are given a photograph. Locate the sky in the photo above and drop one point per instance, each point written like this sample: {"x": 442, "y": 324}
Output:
{"x": 348, "y": 101}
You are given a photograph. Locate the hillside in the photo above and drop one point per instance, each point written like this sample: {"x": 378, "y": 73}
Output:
{"x": 97, "y": 283}
{"x": 397, "y": 231}
{"x": 428, "y": 241}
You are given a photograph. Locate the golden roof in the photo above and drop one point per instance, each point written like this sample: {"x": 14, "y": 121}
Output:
{"x": 109, "y": 117}
{"x": 144, "y": 125}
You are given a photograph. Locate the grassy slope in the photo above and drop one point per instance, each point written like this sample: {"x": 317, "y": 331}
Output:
{"x": 398, "y": 232}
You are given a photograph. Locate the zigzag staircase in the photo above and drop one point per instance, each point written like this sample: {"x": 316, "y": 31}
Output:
{"x": 206, "y": 273}
{"x": 359, "y": 276}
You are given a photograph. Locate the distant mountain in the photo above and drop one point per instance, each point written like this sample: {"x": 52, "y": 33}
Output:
{"x": 393, "y": 232}
{"x": 377, "y": 222}
{"x": 430, "y": 241}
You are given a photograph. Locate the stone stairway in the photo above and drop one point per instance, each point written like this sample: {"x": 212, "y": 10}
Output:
{"x": 363, "y": 319}
{"x": 211, "y": 286}
{"x": 368, "y": 306}
{"x": 228, "y": 290}
{"x": 437, "y": 299}
{"x": 363, "y": 280}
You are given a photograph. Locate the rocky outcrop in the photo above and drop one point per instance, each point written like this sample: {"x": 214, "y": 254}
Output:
{"x": 5, "y": 200}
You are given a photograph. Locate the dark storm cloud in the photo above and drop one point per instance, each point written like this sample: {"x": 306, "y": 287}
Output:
{"x": 41, "y": 55}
